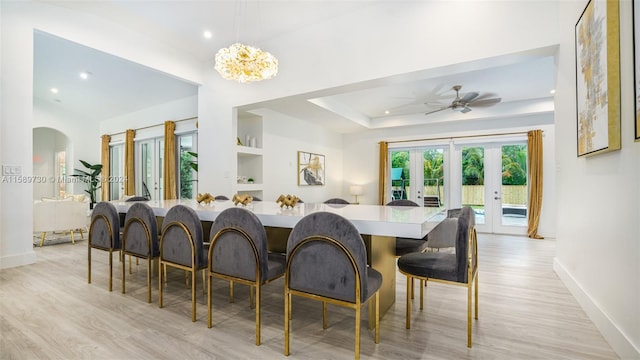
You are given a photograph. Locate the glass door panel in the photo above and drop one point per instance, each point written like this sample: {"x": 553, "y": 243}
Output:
{"x": 473, "y": 176}
{"x": 400, "y": 175}
{"x": 116, "y": 172}
{"x": 149, "y": 177}
{"x": 511, "y": 203}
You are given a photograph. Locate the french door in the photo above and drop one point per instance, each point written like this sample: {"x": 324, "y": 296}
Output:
{"x": 418, "y": 174}
{"x": 116, "y": 171}
{"x": 149, "y": 168}
{"x": 492, "y": 179}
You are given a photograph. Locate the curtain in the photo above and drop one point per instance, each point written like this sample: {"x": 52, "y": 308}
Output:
{"x": 129, "y": 168}
{"x": 383, "y": 170}
{"x": 106, "y": 167}
{"x": 534, "y": 152}
{"x": 169, "y": 184}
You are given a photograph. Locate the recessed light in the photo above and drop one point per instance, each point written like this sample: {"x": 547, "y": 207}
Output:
{"x": 84, "y": 75}
{"x": 386, "y": 112}
{"x": 207, "y": 34}
{"x": 553, "y": 91}
{"x": 54, "y": 90}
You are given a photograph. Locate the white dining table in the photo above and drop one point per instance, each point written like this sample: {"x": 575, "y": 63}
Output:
{"x": 379, "y": 226}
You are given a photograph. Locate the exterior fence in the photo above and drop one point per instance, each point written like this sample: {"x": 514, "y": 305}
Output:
{"x": 474, "y": 194}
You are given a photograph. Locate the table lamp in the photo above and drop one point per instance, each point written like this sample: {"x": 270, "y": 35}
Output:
{"x": 355, "y": 190}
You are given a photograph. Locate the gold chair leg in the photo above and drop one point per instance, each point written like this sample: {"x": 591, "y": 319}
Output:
{"x": 209, "y": 315}
{"x": 258, "y": 314}
{"x": 476, "y": 296}
{"x": 324, "y": 315}
{"x": 204, "y": 275}
{"x": 81, "y": 234}
{"x": 42, "y": 241}
{"x": 251, "y": 298}
{"x": 193, "y": 294}
{"x": 469, "y": 290}
{"x": 357, "y": 335}
{"x": 422, "y": 282}
{"x": 110, "y": 270}
{"x": 123, "y": 277}
{"x": 408, "y": 320}
{"x": 377, "y": 339}
{"x": 130, "y": 271}
{"x": 230, "y": 291}
{"x": 287, "y": 320}
{"x": 149, "y": 273}
{"x": 412, "y": 289}
{"x": 160, "y": 273}
{"x": 73, "y": 240}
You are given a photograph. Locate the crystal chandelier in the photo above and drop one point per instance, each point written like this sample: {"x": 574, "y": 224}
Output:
{"x": 245, "y": 63}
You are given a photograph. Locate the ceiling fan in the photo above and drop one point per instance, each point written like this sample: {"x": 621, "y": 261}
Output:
{"x": 471, "y": 99}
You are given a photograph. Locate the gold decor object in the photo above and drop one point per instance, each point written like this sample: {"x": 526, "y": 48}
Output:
{"x": 205, "y": 198}
{"x": 289, "y": 200}
{"x": 245, "y": 63}
{"x": 243, "y": 199}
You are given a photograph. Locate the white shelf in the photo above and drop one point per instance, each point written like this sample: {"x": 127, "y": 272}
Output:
{"x": 249, "y": 187}
{"x": 246, "y": 150}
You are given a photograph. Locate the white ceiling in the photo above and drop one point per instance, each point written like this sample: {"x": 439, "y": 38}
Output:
{"x": 117, "y": 86}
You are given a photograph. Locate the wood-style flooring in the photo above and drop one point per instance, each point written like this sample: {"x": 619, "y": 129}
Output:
{"x": 48, "y": 311}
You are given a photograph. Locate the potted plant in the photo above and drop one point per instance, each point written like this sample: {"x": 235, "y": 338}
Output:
{"x": 250, "y": 181}
{"x": 91, "y": 178}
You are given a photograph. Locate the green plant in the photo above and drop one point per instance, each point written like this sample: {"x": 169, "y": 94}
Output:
{"x": 91, "y": 178}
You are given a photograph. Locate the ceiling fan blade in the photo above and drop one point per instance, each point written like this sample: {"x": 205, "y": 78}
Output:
{"x": 485, "y": 102}
{"x": 442, "y": 108}
{"x": 469, "y": 96}
{"x": 465, "y": 110}
{"x": 485, "y": 96}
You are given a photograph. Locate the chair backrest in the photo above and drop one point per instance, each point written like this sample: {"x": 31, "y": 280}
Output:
{"x": 104, "y": 231}
{"x": 238, "y": 245}
{"x": 136, "y": 198}
{"x": 140, "y": 235}
{"x": 255, "y": 198}
{"x": 316, "y": 264}
{"x": 462, "y": 246}
{"x": 401, "y": 202}
{"x": 336, "y": 201}
{"x": 180, "y": 229}
{"x": 221, "y": 197}
{"x": 444, "y": 234}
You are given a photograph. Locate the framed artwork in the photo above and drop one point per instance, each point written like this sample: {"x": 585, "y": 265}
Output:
{"x": 310, "y": 169}
{"x": 636, "y": 62}
{"x": 598, "y": 77}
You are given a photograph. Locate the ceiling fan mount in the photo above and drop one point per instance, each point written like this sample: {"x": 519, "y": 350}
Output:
{"x": 467, "y": 101}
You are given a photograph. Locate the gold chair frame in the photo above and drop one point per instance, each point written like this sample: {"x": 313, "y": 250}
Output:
{"x": 109, "y": 249}
{"x": 149, "y": 258}
{"x": 357, "y": 306}
{"x": 257, "y": 283}
{"x": 193, "y": 269}
{"x": 472, "y": 281}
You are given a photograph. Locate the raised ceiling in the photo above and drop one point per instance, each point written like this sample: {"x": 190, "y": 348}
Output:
{"x": 117, "y": 86}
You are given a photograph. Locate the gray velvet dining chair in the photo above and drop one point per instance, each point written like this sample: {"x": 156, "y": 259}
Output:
{"x": 407, "y": 245}
{"x": 327, "y": 261}
{"x": 104, "y": 234}
{"x": 182, "y": 247}
{"x": 459, "y": 268}
{"x": 238, "y": 253}
{"x": 336, "y": 201}
{"x": 140, "y": 240}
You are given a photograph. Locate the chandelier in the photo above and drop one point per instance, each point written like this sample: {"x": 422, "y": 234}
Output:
{"x": 245, "y": 63}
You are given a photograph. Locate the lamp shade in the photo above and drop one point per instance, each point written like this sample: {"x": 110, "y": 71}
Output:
{"x": 355, "y": 190}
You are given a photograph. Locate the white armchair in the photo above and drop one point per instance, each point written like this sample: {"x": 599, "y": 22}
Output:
{"x": 60, "y": 215}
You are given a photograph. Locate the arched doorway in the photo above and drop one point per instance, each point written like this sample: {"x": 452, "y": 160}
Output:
{"x": 52, "y": 159}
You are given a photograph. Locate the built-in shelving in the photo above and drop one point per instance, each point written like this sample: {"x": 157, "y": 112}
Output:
{"x": 249, "y": 158}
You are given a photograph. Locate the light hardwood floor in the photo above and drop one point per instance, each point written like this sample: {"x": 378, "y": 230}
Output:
{"x": 47, "y": 310}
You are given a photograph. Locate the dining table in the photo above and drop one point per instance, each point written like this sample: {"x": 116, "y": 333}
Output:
{"x": 379, "y": 225}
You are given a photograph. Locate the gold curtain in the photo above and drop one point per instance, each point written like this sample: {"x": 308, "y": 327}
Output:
{"x": 129, "y": 168}
{"x": 534, "y": 151}
{"x": 382, "y": 177}
{"x": 104, "y": 160}
{"x": 169, "y": 185}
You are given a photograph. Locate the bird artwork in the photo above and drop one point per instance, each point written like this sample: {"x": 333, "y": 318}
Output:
{"x": 205, "y": 198}
{"x": 311, "y": 168}
{"x": 243, "y": 199}
{"x": 288, "y": 201}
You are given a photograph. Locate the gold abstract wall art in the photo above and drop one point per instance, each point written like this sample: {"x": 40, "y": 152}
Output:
{"x": 311, "y": 170}
{"x": 598, "y": 77}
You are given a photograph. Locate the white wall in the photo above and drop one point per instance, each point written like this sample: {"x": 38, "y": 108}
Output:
{"x": 283, "y": 137}
{"x": 598, "y": 241}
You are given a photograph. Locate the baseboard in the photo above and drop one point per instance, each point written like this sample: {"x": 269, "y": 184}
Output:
{"x": 18, "y": 260}
{"x": 620, "y": 343}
